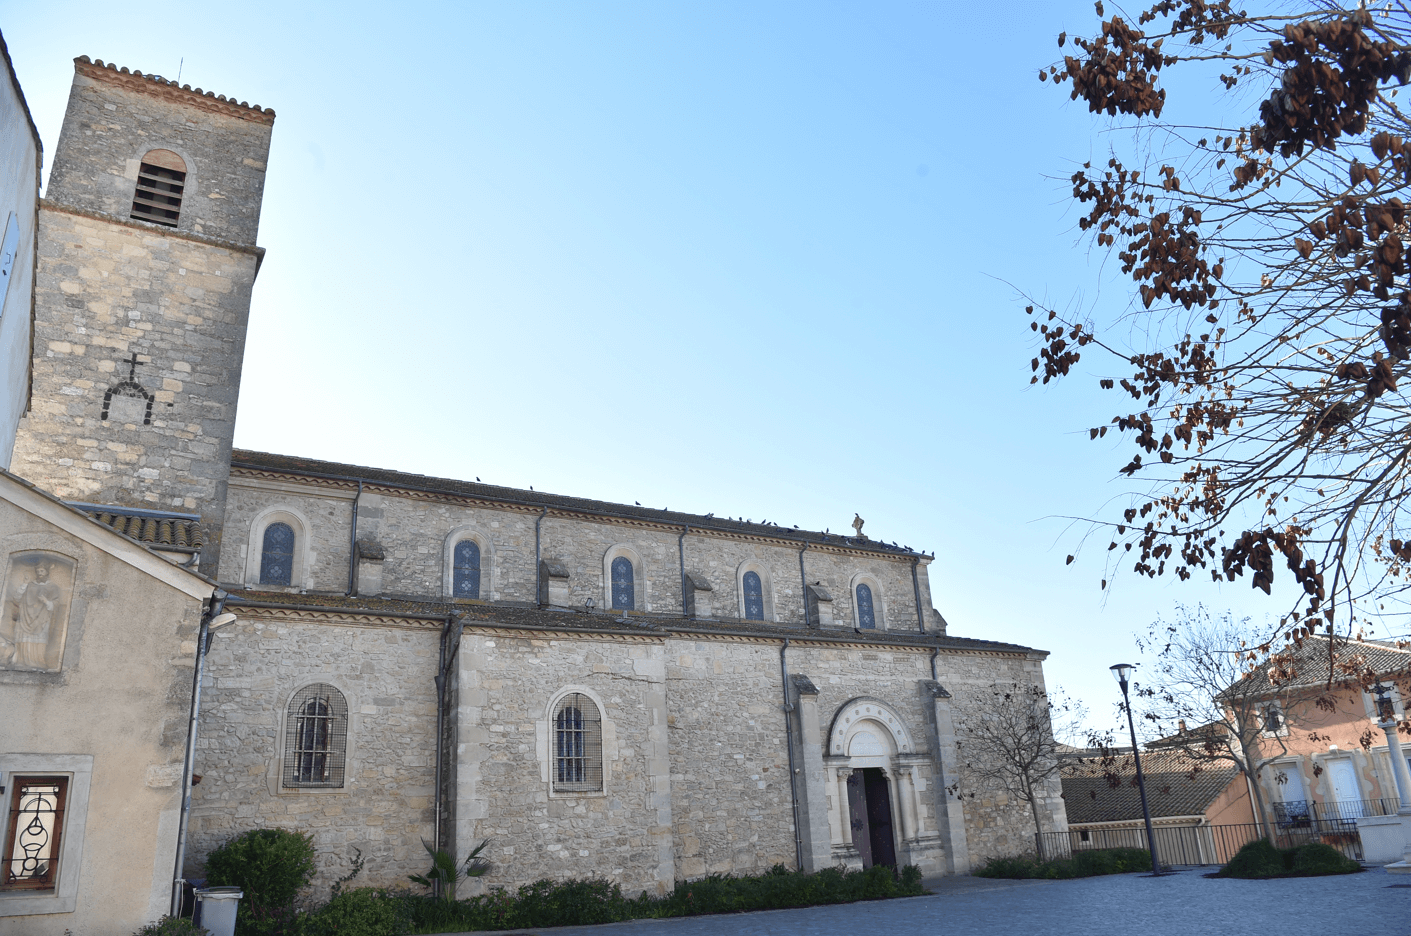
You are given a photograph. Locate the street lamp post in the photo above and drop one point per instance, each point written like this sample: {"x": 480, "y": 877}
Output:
{"x": 1122, "y": 673}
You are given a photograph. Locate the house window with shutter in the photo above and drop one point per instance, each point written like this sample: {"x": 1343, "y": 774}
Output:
{"x": 161, "y": 181}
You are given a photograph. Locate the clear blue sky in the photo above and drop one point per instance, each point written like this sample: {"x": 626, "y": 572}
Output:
{"x": 756, "y": 259}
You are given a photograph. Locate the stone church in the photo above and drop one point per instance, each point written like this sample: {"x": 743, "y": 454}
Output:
{"x": 594, "y": 688}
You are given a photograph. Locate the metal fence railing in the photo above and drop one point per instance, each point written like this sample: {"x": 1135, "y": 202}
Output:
{"x": 1330, "y": 817}
{"x": 1203, "y": 845}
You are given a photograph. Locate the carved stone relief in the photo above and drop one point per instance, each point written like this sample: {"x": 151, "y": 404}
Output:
{"x": 34, "y": 616}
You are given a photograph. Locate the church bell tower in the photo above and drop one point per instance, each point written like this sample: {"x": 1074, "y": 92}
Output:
{"x": 147, "y": 259}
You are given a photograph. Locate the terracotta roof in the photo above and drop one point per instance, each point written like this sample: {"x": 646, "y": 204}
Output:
{"x": 156, "y": 84}
{"x": 1309, "y": 666}
{"x": 289, "y": 464}
{"x": 1176, "y": 785}
{"x": 158, "y": 529}
{"x": 515, "y": 614}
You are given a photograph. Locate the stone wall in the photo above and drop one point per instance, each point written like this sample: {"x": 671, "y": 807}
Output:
{"x": 386, "y": 673}
{"x": 730, "y": 790}
{"x": 508, "y": 684}
{"x": 107, "y": 292}
{"x": 417, "y": 534}
{"x": 997, "y": 822}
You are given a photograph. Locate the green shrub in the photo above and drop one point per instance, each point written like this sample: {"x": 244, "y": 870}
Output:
{"x": 586, "y": 902}
{"x": 271, "y": 866}
{"x": 1260, "y": 859}
{"x": 172, "y": 926}
{"x": 1315, "y": 858}
{"x": 1085, "y": 863}
{"x": 365, "y": 911}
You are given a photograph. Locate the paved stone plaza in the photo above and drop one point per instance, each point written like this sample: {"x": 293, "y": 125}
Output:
{"x": 1183, "y": 904}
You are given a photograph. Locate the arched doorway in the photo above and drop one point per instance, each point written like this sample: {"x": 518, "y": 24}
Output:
{"x": 865, "y": 740}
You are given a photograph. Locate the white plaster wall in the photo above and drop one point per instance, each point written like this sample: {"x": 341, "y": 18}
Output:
{"x": 19, "y": 194}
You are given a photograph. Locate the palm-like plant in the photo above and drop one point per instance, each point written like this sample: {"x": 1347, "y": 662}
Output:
{"x": 446, "y": 873}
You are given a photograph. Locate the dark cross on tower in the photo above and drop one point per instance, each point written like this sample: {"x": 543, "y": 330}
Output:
{"x": 132, "y": 367}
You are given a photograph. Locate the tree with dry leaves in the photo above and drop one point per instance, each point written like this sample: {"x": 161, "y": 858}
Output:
{"x": 1203, "y": 693}
{"x": 1010, "y": 741}
{"x": 1262, "y": 358}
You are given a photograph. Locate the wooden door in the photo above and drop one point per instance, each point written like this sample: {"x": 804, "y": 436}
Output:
{"x": 879, "y": 817}
{"x": 857, "y": 810}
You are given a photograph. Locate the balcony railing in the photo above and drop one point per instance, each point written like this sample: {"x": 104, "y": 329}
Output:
{"x": 1336, "y": 816}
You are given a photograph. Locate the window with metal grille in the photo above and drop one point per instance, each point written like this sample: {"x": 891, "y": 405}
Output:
{"x": 866, "y": 616}
{"x": 316, "y": 738}
{"x": 31, "y": 859}
{"x": 578, "y": 745}
{"x": 277, "y": 555}
{"x": 624, "y": 589}
{"x": 161, "y": 180}
{"x": 754, "y": 597}
{"x": 466, "y": 582}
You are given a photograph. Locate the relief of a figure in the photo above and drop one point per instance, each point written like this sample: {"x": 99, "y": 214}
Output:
{"x": 35, "y": 611}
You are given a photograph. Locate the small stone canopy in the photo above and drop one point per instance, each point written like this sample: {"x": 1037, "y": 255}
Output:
{"x": 819, "y": 593}
{"x": 803, "y": 685}
{"x": 698, "y": 582}
{"x": 553, "y": 568}
{"x": 371, "y": 550}
{"x": 934, "y": 689}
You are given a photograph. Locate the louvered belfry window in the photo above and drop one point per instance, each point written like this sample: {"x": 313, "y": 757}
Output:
{"x": 161, "y": 181}
{"x": 578, "y": 745}
{"x": 316, "y": 738}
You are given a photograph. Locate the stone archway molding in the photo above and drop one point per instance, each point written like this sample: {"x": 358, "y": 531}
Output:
{"x": 867, "y": 708}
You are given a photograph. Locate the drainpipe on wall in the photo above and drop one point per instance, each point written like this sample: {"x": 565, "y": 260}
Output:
{"x": 803, "y": 582}
{"x": 681, "y": 553}
{"x": 353, "y": 544}
{"x": 203, "y": 644}
{"x": 934, "y": 653}
{"x": 451, "y": 620}
{"x": 537, "y": 583}
{"x": 916, "y": 587}
{"x": 789, "y": 740}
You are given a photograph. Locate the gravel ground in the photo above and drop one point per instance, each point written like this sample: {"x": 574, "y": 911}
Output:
{"x": 1182, "y": 904}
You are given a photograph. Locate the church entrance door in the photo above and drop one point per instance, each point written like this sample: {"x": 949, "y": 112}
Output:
{"x": 870, "y": 805}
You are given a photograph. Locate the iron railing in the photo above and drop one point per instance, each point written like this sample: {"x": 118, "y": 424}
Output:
{"x": 1330, "y": 817}
{"x": 1205, "y": 844}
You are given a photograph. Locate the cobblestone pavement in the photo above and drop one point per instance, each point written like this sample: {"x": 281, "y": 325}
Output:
{"x": 1181, "y": 904}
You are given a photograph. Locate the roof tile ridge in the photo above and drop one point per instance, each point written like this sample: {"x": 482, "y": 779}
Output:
{"x": 97, "y": 68}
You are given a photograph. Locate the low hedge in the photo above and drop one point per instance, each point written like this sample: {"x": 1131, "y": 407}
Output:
{"x": 1087, "y": 863}
{"x": 586, "y": 902}
{"x": 1260, "y": 859}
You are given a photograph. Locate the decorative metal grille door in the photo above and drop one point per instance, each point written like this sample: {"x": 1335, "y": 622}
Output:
{"x": 35, "y": 827}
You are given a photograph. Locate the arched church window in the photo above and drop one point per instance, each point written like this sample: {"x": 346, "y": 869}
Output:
{"x": 866, "y": 616}
{"x": 578, "y": 745}
{"x": 161, "y": 181}
{"x": 316, "y": 738}
{"x": 277, "y": 555}
{"x": 754, "y": 597}
{"x": 466, "y": 581}
{"x": 624, "y": 588}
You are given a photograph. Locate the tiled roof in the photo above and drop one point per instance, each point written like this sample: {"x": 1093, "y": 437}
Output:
{"x": 155, "y": 528}
{"x": 513, "y": 614}
{"x": 1177, "y": 784}
{"x": 96, "y": 68}
{"x": 288, "y": 464}
{"x": 1309, "y": 667}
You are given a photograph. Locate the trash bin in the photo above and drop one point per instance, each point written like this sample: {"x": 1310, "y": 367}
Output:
{"x": 215, "y": 909}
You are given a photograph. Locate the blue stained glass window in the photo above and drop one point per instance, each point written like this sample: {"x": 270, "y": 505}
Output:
{"x": 624, "y": 593}
{"x": 466, "y": 583}
{"x": 866, "y": 617}
{"x": 277, "y": 555}
{"x": 754, "y": 597}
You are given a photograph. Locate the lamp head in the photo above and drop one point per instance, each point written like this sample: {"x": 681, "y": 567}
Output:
{"x": 1122, "y": 672}
{"x": 220, "y": 620}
